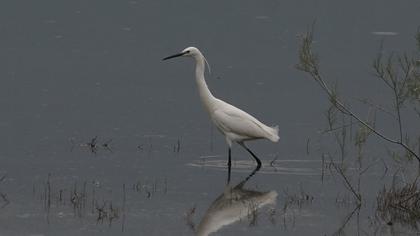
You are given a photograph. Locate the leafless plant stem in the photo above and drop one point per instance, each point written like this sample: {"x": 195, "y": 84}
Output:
{"x": 308, "y": 62}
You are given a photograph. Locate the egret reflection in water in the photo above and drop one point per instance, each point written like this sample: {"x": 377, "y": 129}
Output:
{"x": 234, "y": 204}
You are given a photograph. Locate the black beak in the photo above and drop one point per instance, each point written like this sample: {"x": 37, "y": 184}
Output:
{"x": 176, "y": 55}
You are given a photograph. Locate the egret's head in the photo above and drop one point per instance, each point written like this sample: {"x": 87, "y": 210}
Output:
{"x": 188, "y": 52}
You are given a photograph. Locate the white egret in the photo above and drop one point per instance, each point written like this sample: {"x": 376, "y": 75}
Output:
{"x": 235, "y": 124}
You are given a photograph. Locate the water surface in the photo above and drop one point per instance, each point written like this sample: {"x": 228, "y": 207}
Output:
{"x": 72, "y": 71}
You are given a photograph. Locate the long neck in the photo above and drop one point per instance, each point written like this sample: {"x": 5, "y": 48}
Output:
{"x": 205, "y": 95}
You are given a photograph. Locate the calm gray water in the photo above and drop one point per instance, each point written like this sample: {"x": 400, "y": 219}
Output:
{"x": 74, "y": 70}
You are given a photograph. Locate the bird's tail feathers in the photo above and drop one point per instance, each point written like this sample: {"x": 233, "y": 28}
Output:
{"x": 274, "y": 137}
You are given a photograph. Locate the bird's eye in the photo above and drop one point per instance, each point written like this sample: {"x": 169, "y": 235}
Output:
{"x": 188, "y": 51}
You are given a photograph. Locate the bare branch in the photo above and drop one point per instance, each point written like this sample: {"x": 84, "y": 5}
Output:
{"x": 309, "y": 63}
{"x": 347, "y": 182}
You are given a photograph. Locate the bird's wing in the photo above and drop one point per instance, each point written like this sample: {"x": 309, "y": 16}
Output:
{"x": 239, "y": 122}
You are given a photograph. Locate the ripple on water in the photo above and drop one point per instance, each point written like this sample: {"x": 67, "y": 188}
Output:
{"x": 280, "y": 167}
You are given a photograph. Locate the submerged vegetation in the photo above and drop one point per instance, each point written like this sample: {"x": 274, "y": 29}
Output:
{"x": 400, "y": 204}
{"x": 90, "y": 200}
{"x": 3, "y": 196}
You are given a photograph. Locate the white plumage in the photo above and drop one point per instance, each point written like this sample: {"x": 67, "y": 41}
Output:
{"x": 235, "y": 124}
{"x": 239, "y": 126}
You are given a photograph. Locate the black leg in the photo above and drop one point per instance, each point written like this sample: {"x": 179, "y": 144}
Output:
{"x": 229, "y": 158}
{"x": 253, "y": 155}
{"x": 249, "y": 176}
{"x": 229, "y": 165}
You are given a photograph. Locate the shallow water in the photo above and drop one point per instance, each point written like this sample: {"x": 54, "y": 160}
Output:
{"x": 73, "y": 71}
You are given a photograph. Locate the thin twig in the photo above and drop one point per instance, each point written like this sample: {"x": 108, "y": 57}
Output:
{"x": 309, "y": 63}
